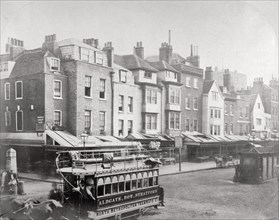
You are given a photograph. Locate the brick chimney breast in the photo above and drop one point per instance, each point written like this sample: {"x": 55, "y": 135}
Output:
{"x": 14, "y": 47}
{"x": 208, "y": 74}
{"x": 92, "y": 42}
{"x": 50, "y": 44}
{"x": 109, "y": 50}
{"x": 139, "y": 50}
{"x": 165, "y": 52}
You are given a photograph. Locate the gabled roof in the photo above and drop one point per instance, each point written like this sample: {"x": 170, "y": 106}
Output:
{"x": 175, "y": 58}
{"x": 261, "y": 149}
{"x": 207, "y": 86}
{"x": 30, "y": 62}
{"x": 251, "y": 99}
{"x": 133, "y": 62}
{"x": 162, "y": 65}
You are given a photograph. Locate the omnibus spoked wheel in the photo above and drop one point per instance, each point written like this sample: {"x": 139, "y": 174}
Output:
{"x": 141, "y": 212}
{"x": 117, "y": 217}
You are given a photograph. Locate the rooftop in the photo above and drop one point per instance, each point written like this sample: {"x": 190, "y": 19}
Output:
{"x": 73, "y": 41}
{"x": 207, "y": 86}
{"x": 133, "y": 62}
{"x": 162, "y": 65}
{"x": 29, "y": 62}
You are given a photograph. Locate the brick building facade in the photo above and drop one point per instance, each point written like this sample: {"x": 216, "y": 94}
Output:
{"x": 35, "y": 89}
{"x": 145, "y": 77}
{"x": 270, "y": 98}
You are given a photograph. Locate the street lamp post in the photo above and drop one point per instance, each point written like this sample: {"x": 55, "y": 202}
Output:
{"x": 84, "y": 136}
{"x": 179, "y": 143}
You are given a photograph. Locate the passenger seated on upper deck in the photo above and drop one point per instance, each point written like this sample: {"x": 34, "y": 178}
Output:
{"x": 86, "y": 197}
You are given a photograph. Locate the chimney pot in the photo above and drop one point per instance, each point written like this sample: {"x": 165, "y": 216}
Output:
{"x": 139, "y": 50}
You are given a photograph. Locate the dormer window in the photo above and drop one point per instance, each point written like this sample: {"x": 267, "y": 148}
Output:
{"x": 54, "y": 64}
{"x": 171, "y": 75}
{"x": 84, "y": 54}
{"x": 3, "y": 67}
{"x": 147, "y": 74}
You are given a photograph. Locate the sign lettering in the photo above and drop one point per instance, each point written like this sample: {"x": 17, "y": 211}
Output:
{"x": 126, "y": 207}
{"x": 135, "y": 195}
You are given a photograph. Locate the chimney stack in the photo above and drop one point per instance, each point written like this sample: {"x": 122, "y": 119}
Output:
{"x": 109, "y": 50}
{"x": 92, "y": 42}
{"x": 227, "y": 81}
{"x": 165, "y": 52}
{"x": 139, "y": 50}
{"x": 194, "y": 58}
{"x": 14, "y": 47}
{"x": 50, "y": 44}
{"x": 208, "y": 73}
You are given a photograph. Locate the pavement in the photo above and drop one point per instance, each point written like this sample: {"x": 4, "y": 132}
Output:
{"x": 170, "y": 169}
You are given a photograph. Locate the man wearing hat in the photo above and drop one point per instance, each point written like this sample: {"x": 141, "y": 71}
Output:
{"x": 89, "y": 188}
{"x": 55, "y": 193}
{"x": 86, "y": 195}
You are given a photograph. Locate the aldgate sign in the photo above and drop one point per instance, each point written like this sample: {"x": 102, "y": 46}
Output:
{"x": 120, "y": 208}
{"x": 126, "y": 197}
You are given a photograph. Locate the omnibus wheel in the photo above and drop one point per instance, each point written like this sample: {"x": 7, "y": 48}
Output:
{"x": 141, "y": 212}
{"x": 118, "y": 217}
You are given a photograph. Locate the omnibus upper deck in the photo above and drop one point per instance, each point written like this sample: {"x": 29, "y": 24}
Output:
{"x": 123, "y": 184}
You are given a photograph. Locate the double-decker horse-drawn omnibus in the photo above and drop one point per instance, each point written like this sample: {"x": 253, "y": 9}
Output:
{"x": 119, "y": 186}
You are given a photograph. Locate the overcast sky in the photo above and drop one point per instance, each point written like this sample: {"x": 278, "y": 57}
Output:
{"x": 239, "y": 35}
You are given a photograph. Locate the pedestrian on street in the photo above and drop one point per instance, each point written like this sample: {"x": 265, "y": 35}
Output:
{"x": 161, "y": 195}
{"x": 55, "y": 193}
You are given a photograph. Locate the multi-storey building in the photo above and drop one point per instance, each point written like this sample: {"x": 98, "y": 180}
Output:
{"x": 34, "y": 91}
{"x": 260, "y": 120}
{"x": 168, "y": 78}
{"x": 213, "y": 109}
{"x": 230, "y": 113}
{"x": 270, "y": 98}
{"x": 126, "y": 98}
{"x": 33, "y": 94}
{"x": 242, "y": 124}
{"x": 89, "y": 86}
{"x": 236, "y": 110}
{"x": 190, "y": 75}
{"x": 146, "y": 77}
{"x": 236, "y": 114}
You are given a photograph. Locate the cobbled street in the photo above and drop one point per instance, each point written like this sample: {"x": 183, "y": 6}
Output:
{"x": 212, "y": 194}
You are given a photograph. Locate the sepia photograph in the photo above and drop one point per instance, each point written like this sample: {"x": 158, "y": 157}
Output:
{"x": 139, "y": 110}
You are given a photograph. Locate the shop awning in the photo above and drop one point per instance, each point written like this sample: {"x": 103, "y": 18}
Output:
{"x": 197, "y": 137}
{"x": 65, "y": 140}
{"x": 152, "y": 137}
{"x": 62, "y": 138}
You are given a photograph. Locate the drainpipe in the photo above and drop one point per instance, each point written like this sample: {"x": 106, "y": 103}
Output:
{"x": 112, "y": 100}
